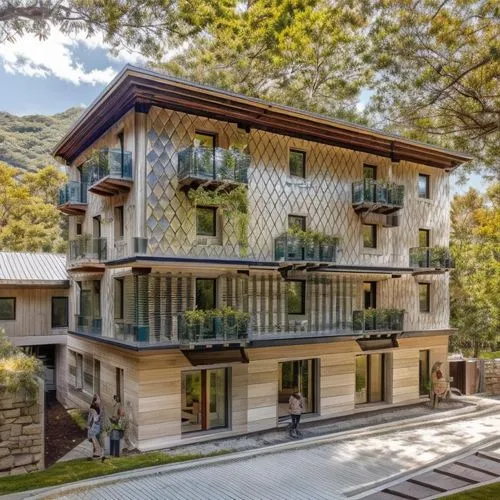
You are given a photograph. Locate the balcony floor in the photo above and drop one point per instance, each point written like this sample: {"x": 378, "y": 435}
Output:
{"x": 72, "y": 208}
{"x": 111, "y": 186}
{"x": 376, "y": 208}
{"x": 193, "y": 182}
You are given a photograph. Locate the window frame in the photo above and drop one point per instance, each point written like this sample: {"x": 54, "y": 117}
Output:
{"x": 122, "y": 298}
{"x": 371, "y": 167}
{"x": 302, "y": 301}
{"x": 215, "y": 223}
{"x": 120, "y": 233}
{"x": 374, "y": 236}
{"x": 302, "y": 218}
{"x": 52, "y": 311}
{"x": 427, "y": 286}
{"x": 427, "y": 178}
{"x": 214, "y": 280}
{"x": 14, "y": 309}
{"x": 206, "y": 133}
{"x": 304, "y": 163}
{"x": 427, "y": 233}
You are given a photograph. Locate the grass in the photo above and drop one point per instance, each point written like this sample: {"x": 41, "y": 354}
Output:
{"x": 481, "y": 493}
{"x": 489, "y": 355}
{"x": 79, "y": 417}
{"x": 77, "y": 470}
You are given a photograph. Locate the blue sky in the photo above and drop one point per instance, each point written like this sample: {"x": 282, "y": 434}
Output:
{"x": 47, "y": 77}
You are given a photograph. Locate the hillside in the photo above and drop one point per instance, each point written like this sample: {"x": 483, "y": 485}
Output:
{"x": 26, "y": 141}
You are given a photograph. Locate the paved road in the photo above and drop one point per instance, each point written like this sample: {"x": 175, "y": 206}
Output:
{"x": 322, "y": 472}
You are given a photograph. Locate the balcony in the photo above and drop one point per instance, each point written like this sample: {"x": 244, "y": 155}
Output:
{"x": 377, "y": 320}
{"x": 379, "y": 197}
{"x": 73, "y": 198}
{"x": 131, "y": 332}
{"x": 437, "y": 258}
{"x": 88, "y": 325}
{"x": 86, "y": 250}
{"x": 128, "y": 247}
{"x": 290, "y": 247}
{"x": 109, "y": 172}
{"x": 213, "y": 168}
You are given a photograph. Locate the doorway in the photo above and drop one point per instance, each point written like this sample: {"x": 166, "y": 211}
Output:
{"x": 370, "y": 379}
{"x": 204, "y": 399}
{"x": 296, "y": 375}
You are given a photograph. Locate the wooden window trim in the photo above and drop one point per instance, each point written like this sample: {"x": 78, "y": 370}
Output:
{"x": 303, "y": 298}
{"x": 427, "y": 186}
{"x": 52, "y": 312}
{"x": 428, "y": 297}
{"x": 13, "y": 318}
{"x": 304, "y": 162}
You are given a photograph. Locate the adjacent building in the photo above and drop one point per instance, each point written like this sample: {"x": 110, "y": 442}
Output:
{"x": 227, "y": 251}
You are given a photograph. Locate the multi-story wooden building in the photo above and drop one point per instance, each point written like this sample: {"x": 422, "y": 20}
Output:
{"x": 228, "y": 250}
{"x": 34, "y": 309}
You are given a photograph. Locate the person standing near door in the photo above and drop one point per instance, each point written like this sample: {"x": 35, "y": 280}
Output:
{"x": 295, "y": 409}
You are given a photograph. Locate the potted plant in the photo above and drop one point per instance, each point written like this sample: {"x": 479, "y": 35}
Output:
{"x": 194, "y": 320}
{"x": 328, "y": 248}
{"x": 440, "y": 257}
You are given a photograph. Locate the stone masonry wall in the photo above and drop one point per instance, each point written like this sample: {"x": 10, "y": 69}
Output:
{"x": 492, "y": 376}
{"x": 21, "y": 433}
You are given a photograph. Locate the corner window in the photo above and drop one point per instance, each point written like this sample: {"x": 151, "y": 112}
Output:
{"x": 206, "y": 293}
{"x": 296, "y": 297}
{"x": 424, "y": 293}
{"x": 297, "y": 222}
{"x": 119, "y": 223}
{"x": 119, "y": 298}
{"x": 59, "y": 312}
{"x": 206, "y": 221}
{"x": 297, "y": 163}
{"x": 7, "y": 308}
{"x": 423, "y": 186}
{"x": 369, "y": 235}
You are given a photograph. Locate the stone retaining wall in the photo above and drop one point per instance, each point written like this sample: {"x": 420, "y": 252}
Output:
{"x": 21, "y": 432}
{"x": 492, "y": 376}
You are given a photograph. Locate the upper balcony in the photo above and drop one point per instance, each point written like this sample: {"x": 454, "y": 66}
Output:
{"x": 377, "y": 320}
{"x": 314, "y": 247}
{"x": 380, "y": 197}
{"x": 431, "y": 258}
{"x": 73, "y": 198}
{"x": 109, "y": 172}
{"x": 214, "y": 168}
{"x": 86, "y": 251}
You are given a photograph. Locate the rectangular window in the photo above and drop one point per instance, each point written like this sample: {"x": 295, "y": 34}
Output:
{"x": 369, "y": 235}
{"x": 79, "y": 371}
{"x": 204, "y": 140}
{"x": 96, "y": 226}
{"x": 59, "y": 312}
{"x": 206, "y": 293}
{"x": 206, "y": 221}
{"x": 370, "y": 380}
{"x": 88, "y": 374}
{"x": 119, "y": 298}
{"x": 296, "y": 376}
{"x": 78, "y": 228}
{"x": 97, "y": 376}
{"x": 7, "y": 308}
{"x": 119, "y": 225}
{"x": 297, "y": 222}
{"x": 370, "y": 294}
{"x": 119, "y": 383}
{"x": 424, "y": 238}
{"x": 296, "y": 297}
{"x": 297, "y": 163}
{"x": 424, "y": 293}
{"x": 424, "y": 372}
{"x": 369, "y": 172}
{"x": 423, "y": 186}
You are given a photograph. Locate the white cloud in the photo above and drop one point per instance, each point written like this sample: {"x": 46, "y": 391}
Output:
{"x": 54, "y": 57}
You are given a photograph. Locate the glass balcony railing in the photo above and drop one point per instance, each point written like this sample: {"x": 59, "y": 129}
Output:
{"x": 289, "y": 247}
{"x": 73, "y": 193}
{"x": 213, "y": 164}
{"x": 131, "y": 332}
{"x": 223, "y": 329}
{"x": 88, "y": 325}
{"x": 378, "y": 320}
{"x": 377, "y": 196}
{"x": 431, "y": 257}
{"x": 108, "y": 163}
{"x": 88, "y": 248}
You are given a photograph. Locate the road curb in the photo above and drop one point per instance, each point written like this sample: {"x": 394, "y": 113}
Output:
{"x": 472, "y": 412}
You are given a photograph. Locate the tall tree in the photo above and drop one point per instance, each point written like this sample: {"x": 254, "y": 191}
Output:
{"x": 475, "y": 283}
{"x": 148, "y": 25}
{"x": 438, "y": 73}
{"x": 305, "y": 53}
{"x": 29, "y": 219}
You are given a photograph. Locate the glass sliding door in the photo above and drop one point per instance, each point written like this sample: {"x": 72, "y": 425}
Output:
{"x": 293, "y": 376}
{"x": 361, "y": 395}
{"x": 370, "y": 380}
{"x": 204, "y": 399}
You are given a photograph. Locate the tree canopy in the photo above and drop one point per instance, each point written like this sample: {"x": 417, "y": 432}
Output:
{"x": 29, "y": 219}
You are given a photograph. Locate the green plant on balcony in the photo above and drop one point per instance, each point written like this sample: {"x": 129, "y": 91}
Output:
{"x": 234, "y": 206}
{"x": 440, "y": 257}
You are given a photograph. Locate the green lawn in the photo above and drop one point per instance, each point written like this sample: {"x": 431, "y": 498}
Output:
{"x": 76, "y": 470}
{"x": 489, "y": 491}
{"x": 490, "y": 355}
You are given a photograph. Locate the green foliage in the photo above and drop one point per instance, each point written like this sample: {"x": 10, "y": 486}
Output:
{"x": 438, "y": 67}
{"x": 26, "y": 141}
{"x": 233, "y": 204}
{"x": 489, "y": 491}
{"x": 18, "y": 371}
{"x": 475, "y": 283}
{"x": 79, "y": 418}
{"x": 29, "y": 219}
{"x": 309, "y": 237}
{"x": 78, "y": 470}
{"x": 200, "y": 316}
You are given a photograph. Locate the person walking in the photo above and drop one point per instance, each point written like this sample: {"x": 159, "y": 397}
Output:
{"x": 94, "y": 427}
{"x": 117, "y": 431}
{"x": 295, "y": 409}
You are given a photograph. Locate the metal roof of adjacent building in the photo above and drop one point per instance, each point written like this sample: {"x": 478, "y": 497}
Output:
{"x": 33, "y": 268}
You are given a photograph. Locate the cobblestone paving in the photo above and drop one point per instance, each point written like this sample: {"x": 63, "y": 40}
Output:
{"x": 320, "y": 472}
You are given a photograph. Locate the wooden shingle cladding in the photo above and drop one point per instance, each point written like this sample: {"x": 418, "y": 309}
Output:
{"x": 139, "y": 88}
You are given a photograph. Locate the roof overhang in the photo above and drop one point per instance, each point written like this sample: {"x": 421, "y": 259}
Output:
{"x": 140, "y": 88}
{"x": 34, "y": 284}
